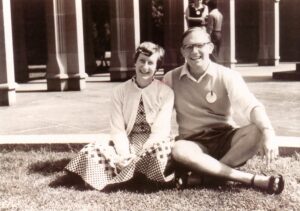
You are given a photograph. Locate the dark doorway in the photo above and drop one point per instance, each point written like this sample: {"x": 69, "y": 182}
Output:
{"x": 289, "y": 30}
{"x": 151, "y": 21}
{"x": 247, "y": 37}
{"x": 97, "y": 35}
{"x": 35, "y": 28}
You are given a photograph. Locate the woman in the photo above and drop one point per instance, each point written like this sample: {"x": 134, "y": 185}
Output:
{"x": 196, "y": 14}
{"x": 140, "y": 129}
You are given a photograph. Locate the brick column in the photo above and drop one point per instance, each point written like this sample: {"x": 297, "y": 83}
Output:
{"x": 268, "y": 33}
{"x": 227, "y": 49}
{"x": 66, "y": 65}
{"x": 174, "y": 26}
{"x": 7, "y": 76}
{"x": 125, "y": 37}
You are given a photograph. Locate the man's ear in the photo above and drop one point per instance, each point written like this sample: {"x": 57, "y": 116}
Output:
{"x": 182, "y": 52}
{"x": 211, "y": 47}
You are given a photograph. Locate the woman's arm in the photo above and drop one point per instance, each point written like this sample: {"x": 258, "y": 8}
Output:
{"x": 117, "y": 123}
{"x": 161, "y": 127}
{"x": 198, "y": 19}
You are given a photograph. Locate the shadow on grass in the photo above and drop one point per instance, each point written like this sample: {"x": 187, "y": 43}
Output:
{"x": 41, "y": 147}
{"x": 139, "y": 184}
{"x": 70, "y": 180}
{"x": 48, "y": 167}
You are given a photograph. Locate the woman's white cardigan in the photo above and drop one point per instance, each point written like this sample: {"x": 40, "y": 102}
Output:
{"x": 158, "y": 102}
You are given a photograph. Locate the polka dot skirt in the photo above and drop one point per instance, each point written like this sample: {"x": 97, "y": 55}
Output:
{"x": 96, "y": 162}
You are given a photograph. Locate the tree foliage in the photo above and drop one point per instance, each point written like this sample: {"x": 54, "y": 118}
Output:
{"x": 157, "y": 12}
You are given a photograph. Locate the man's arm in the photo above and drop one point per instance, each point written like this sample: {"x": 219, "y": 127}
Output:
{"x": 259, "y": 117}
{"x": 210, "y": 24}
{"x": 242, "y": 99}
{"x": 167, "y": 79}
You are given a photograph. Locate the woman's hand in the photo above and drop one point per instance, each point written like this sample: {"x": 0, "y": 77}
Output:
{"x": 149, "y": 144}
{"x": 124, "y": 160}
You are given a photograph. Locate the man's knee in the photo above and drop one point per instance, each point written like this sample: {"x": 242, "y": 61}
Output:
{"x": 248, "y": 138}
{"x": 186, "y": 151}
{"x": 251, "y": 132}
{"x": 179, "y": 150}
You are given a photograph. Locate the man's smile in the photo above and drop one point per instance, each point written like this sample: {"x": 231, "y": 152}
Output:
{"x": 195, "y": 58}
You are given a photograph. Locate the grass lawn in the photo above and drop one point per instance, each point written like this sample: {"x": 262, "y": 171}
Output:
{"x": 30, "y": 181}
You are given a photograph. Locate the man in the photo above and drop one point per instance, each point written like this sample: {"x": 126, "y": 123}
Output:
{"x": 214, "y": 27}
{"x": 205, "y": 94}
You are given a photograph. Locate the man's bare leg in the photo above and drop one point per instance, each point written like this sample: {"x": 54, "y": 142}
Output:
{"x": 245, "y": 144}
{"x": 191, "y": 155}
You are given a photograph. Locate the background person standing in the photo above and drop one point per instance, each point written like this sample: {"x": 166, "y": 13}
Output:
{"x": 214, "y": 27}
{"x": 196, "y": 14}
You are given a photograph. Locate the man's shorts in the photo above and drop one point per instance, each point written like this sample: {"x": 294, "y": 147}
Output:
{"x": 217, "y": 139}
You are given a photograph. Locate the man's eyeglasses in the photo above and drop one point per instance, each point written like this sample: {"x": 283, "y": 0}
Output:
{"x": 198, "y": 46}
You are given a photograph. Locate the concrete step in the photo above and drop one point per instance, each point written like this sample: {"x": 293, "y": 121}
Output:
{"x": 287, "y": 144}
{"x": 291, "y": 75}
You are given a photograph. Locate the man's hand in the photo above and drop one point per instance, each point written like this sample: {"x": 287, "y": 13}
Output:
{"x": 269, "y": 146}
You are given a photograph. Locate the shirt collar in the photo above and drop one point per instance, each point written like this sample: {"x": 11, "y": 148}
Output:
{"x": 134, "y": 84}
{"x": 209, "y": 71}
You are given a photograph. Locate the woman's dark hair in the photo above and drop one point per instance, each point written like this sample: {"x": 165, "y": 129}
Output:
{"x": 149, "y": 48}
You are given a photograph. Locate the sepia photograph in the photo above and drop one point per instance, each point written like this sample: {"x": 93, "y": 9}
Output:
{"x": 150, "y": 105}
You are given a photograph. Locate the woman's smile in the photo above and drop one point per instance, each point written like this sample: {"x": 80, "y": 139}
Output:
{"x": 144, "y": 71}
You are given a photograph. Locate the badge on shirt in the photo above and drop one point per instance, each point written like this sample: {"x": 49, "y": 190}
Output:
{"x": 211, "y": 97}
{"x": 198, "y": 12}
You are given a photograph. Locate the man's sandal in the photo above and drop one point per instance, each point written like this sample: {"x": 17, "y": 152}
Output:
{"x": 181, "y": 179}
{"x": 188, "y": 179}
{"x": 275, "y": 186}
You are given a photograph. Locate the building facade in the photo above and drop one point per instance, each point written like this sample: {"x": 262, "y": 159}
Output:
{"x": 66, "y": 37}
